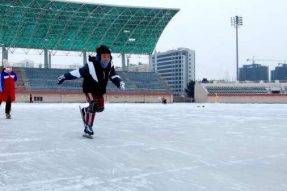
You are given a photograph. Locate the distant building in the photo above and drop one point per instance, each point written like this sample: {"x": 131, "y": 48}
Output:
{"x": 280, "y": 73}
{"x": 25, "y": 63}
{"x": 253, "y": 72}
{"x": 176, "y": 67}
{"x": 138, "y": 67}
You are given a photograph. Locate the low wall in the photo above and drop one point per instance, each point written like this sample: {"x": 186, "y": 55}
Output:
{"x": 203, "y": 96}
{"x": 247, "y": 98}
{"x": 78, "y": 97}
{"x": 200, "y": 93}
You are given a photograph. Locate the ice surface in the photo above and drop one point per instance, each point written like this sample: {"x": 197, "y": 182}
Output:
{"x": 145, "y": 147}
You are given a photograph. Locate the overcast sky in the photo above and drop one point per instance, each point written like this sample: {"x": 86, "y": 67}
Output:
{"x": 204, "y": 26}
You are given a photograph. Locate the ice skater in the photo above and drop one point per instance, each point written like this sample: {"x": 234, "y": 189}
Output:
{"x": 7, "y": 88}
{"x": 96, "y": 74}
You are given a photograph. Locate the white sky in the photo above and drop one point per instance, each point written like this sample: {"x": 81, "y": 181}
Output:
{"x": 204, "y": 26}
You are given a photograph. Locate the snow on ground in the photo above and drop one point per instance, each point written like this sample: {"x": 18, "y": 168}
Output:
{"x": 145, "y": 147}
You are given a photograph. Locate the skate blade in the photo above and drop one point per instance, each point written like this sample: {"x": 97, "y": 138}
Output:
{"x": 88, "y": 136}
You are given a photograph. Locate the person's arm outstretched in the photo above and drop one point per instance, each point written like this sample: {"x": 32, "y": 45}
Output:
{"x": 116, "y": 79}
{"x": 74, "y": 74}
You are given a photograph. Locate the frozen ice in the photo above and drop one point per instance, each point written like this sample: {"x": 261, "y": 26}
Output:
{"x": 145, "y": 147}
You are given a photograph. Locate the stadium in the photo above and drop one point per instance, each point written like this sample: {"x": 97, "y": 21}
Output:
{"x": 56, "y": 25}
{"x": 244, "y": 92}
{"x": 51, "y": 26}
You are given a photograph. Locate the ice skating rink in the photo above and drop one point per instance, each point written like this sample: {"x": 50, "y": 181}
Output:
{"x": 145, "y": 147}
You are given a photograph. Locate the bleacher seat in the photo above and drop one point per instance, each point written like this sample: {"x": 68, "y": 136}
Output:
{"x": 230, "y": 89}
{"x": 46, "y": 79}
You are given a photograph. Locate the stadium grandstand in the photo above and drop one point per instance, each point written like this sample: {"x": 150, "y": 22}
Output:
{"x": 243, "y": 92}
{"x": 52, "y": 25}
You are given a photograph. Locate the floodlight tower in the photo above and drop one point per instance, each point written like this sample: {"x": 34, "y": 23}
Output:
{"x": 236, "y": 22}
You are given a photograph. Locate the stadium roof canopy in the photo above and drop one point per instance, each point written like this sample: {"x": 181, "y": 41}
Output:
{"x": 59, "y": 25}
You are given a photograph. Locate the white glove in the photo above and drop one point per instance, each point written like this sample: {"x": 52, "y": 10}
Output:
{"x": 122, "y": 85}
{"x": 61, "y": 79}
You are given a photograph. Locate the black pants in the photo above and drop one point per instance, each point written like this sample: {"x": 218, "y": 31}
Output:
{"x": 8, "y": 105}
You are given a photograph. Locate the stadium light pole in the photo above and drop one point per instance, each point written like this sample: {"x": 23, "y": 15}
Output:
{"x": 236, "y": 22}
{"x": 4, "y": 53}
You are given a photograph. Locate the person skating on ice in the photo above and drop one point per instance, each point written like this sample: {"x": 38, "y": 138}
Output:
{"x": 96, "y": 74}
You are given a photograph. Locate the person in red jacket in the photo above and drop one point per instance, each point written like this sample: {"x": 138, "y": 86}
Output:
{"x": 8, "y": 79}
{"x": 1, "y": 88}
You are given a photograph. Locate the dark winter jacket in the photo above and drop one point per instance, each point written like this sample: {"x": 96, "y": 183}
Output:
{"x": 95, "y": 77}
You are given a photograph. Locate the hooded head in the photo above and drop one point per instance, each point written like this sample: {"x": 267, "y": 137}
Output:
{"x": 7, "y": 66}
{"x": 103, "y": 55}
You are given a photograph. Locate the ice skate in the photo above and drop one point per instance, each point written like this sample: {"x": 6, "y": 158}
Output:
{"x": 82, "y": 110}
{"x": 88, "y": 132}
{"x": 8, "y": 116}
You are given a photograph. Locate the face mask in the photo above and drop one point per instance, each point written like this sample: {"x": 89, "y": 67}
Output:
{"x": 104, "y": 63}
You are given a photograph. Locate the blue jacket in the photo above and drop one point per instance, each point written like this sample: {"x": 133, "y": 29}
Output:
{"x": 4, "y": 75}
{"x": 1, "y": 89}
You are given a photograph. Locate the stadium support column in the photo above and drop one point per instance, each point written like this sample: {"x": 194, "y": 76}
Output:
{"x": 84, "y": 57}
{"x": 46, "y": 61}
{"x": 49, "y": 60}
{"x": 153, "y": 62}
{"x": 128, "y": 63}
{"x": 4, "y": 54}
{"x": 150, "y": 63}
{"x": 123, "y": 61}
